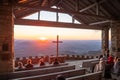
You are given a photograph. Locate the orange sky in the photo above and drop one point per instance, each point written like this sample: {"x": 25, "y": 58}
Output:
{"x": 33, "y": 32}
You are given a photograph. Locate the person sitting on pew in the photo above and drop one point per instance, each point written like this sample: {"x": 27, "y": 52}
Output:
{"x": 29, "y": 64}
{"x": 100, "y": 66}
{"x": 41, "y": 61}
{"x": 20, "y": 66}
{"x": 56, "y": 62}
{"x": 60, "y": 77}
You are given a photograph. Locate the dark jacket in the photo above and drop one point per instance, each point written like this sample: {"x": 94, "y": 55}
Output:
{"x": 107, "y": 72}
{"x": 116, "y": 68}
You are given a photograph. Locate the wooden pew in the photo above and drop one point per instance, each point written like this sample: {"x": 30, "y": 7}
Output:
{"x": 34, "y": 72}
{"x": 90, "y": 76}
{"x": 87, "y": 63}
{"x": 52, "y": 76}
{"x": 90, "y": 64}
{"x": 46, "y": 66}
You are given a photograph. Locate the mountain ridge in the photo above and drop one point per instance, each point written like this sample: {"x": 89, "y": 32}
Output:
{"x": 25, "y": 48}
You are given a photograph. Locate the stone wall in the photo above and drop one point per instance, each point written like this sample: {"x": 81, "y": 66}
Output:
{"x": 105, "y": 39}
{"x": 115, "y": 39}
{"x": 62, "y": 59}
{"x": 6, "y": 39}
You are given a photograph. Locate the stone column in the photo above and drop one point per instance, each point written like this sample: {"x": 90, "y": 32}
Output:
{"x": 6, "y": 39}
{"x": 115, "y": 39}
{"x": 105, "y": 39}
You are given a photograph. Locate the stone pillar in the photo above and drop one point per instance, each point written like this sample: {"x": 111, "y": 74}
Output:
{"x": 105, "y": 39}
{"x": 6, "y": 39}
{"x": 115, "y": 39}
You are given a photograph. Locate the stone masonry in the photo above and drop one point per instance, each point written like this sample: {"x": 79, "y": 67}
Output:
{"x": 115, "y": 39}
{"x": 105, "y": 39}
{"x": 6, "y": 39}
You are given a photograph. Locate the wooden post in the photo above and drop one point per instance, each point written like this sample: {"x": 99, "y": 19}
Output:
{"x": 38, "y": 15}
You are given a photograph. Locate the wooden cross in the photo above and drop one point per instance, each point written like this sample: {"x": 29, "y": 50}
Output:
{"x": 57, "y": 49}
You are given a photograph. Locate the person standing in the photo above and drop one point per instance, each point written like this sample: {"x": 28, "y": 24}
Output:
{"x": 108, "y": 67}
{"x": 116, "y": 69}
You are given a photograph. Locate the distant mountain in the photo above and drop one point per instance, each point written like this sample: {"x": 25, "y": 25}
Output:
{"x": 25, "y": 48}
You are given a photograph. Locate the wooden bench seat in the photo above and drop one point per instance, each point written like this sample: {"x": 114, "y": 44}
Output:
{"x": 52, "y": 76}
{"x": 34, "y": 72}
{"x": 90, "y": 76}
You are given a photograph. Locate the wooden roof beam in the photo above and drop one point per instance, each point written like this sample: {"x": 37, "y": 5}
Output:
{"x": 100, "y": 22}
{"x": 92, "y": 5}
{"x": 63, "y": 11}
{"x": 54, "y": 24}
{"x": 103, "y": 22}
{"x": 44, "y": 2}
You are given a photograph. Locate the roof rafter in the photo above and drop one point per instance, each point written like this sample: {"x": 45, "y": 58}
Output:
{"x": 92, "y": 5}
{"x": 54, "y": 24}
{"x": 44, "y": 2}
{"x": 100, "y": 22}
{"x": 62, "y": 11}
{"x": 64, "y": 6}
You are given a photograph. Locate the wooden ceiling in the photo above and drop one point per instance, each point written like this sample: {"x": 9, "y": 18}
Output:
{"x": 91, "y": 13}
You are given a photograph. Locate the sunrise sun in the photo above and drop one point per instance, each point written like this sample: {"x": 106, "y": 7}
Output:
{"x": 43, "y": 38}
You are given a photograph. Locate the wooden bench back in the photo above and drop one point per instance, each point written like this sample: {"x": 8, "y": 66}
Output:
{"x": 90, "y": 76}
{"x": 88, "y": 63}
{"x": 52, "y": 76}
{"x": 34, "y": 72}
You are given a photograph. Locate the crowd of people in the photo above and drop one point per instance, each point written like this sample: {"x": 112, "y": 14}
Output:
{"x": 30, "y": 65}
{"x": 110, "y": 65}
